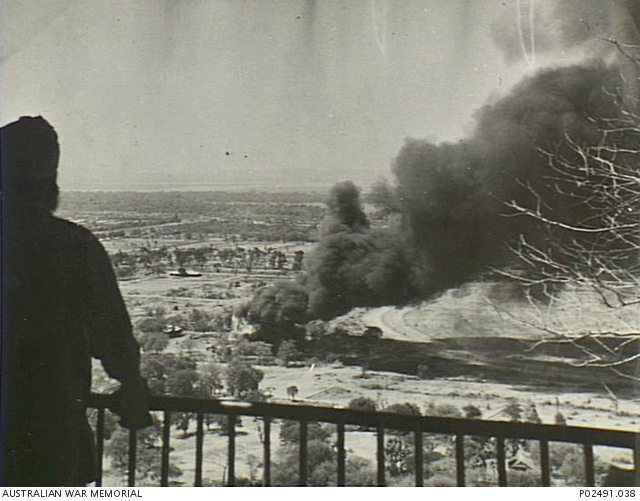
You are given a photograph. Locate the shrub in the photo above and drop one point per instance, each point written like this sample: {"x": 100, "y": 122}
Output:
{"x": 363, "y": 404}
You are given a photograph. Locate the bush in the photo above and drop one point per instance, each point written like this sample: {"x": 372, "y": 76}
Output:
{"x": 151, "y": 324}
{"x": 153, "y": 342}
{"x": 363, "y": 404}
{"x": 406, "y": 408}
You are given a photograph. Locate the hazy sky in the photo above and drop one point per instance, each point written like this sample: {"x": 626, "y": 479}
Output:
{"x": 148, "y": 92}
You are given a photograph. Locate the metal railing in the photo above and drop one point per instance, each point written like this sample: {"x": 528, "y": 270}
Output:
{"x": 380, "y": 421}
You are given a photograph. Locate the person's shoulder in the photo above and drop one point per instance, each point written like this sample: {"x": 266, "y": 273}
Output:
{"x": 70, "y": 226}
{"x": 74, "y": 230}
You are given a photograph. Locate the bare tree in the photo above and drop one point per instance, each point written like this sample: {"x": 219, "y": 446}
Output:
{"x": 587, "y": 245}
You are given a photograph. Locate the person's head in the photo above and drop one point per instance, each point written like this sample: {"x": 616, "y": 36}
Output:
{"x": 29, "y": 155}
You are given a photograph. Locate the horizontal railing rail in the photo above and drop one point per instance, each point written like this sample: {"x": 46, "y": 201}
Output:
{"x": 380, "y": 421}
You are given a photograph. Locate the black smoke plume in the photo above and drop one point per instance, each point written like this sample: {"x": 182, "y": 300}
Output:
{"x": 452, "y": 195}
{"x": 450, "y": 198}
{"x": 344, "y": 210}
{"x": 351, "y": 266}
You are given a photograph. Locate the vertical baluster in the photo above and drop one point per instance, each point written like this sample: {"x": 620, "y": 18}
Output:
{"x": 231, "y": 452}
{"x": 99, "y": 445}
{"x": 266, "y": 480}
{"x": 419, "y": 458}
{"x": 380, "y": 456}
{"x": 131, "y": 473}
{"x": 199, "y": 448}
{"x": 545, "y": 469}
{"x": 304, "y": 474}
{"x": 341, "y": 456}
{"x": 460, "y": 460}
{"x": 636, "y": 463}
{"x": 502, "y": 463}
{"x": 166, "y": 448}
{"x": 589, "y": 471}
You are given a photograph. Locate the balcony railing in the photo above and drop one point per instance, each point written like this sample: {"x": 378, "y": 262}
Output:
{"x": 380, "y": 421}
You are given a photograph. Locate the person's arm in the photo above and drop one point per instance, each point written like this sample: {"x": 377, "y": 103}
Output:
{"x": 111, "y": 336}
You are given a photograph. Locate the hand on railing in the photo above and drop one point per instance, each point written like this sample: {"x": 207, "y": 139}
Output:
{"x": 131, "y": 403}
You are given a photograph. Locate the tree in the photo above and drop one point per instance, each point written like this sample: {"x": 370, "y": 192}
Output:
{"x": 321, "y": 458}
{"x": 288, "y": 351}
{"x": 209, "y": 380}
{"x": 160, "y": 371}
{"x": 148, "y": 458}
{"x": 405, "y": 408}
{"x": 584, "y": 253}
{"x": 183, "y": 382}
{"x": 153, "y": 342}
{"x": 292, "y": 392}
{"x": 290, "y": 433}
{"x": 472, "y": 412}
{"x": 242, "y": 378}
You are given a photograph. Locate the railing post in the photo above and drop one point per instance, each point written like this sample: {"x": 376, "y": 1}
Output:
{"x": 545, "y": 470}
{"x": 341, "y": 456}
{"x": 266, "y": 479}
{"x": 199, "y": 449}
{"x": 636, "y": 463}
{"x": 502, "y": 463}
{"x": 131, "y": 472}
{"x": 588, "y": 438}
{"x": 380, "y": 456}
{"x": 460, "y": 460}
{"x": 304, "y": 474}
{"x": 166, "y": 448}
{"x": 231, "y": 452}
{"x": 419, "y": 458}
{"x": 99, "y": 445}
{"x": 589, "y": 470}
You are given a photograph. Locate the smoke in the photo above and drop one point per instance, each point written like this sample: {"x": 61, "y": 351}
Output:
{"x": 344, "y": 210}
{"x": 365, "y": 268}
{"x": 450, "y": 200}
{"x": 282, "y": 304}
{"x": 452, "y": 195}
{"x": 351, "y": 266}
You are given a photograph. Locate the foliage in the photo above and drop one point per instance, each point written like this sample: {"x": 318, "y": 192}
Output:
{"x": 148, "y": 459}
{"x": 472, "y": 412}
{"x": 406, "y": 408}
{"x": 242, "y": 378}
{"x": 290, "y": 433}
{"x": 363, "y": 404}
{"x": 288, "y": 352}
{"x": 201, "y": 321}
{"x": 153, "y": 342}
{"x": 586, "y": 213}
{"x": 514, "y": 411}
{"x": 261, "y": 351}
{"x": 443, "y": 410}
{"x": 210, "y": 380}
{"x": 321, "y": 459}
{"x": 151, "y": 324}
{"x": 160, "y": 371}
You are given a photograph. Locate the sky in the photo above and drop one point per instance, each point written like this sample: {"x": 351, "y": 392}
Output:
{"x": 150, "y": 94}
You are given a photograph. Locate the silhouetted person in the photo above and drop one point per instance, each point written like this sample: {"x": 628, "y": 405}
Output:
{"x": 60, "y": 306}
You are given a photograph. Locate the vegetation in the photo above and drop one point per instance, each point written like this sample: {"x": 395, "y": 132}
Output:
{"x": 207, "y": 315}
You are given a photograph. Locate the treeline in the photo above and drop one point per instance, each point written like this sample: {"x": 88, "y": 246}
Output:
{"x": 150, "y": 260}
